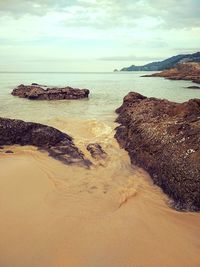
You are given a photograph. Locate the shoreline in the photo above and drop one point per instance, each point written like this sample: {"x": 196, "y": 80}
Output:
{"x": 59, "y": 218}
{"x": 112, "y": 215}
{"x": 183, "y": 71}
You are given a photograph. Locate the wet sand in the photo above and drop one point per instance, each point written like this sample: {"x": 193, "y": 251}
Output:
{"x": 53, "y": 215}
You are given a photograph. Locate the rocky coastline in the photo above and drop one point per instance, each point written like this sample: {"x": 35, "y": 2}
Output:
{"x": 38, "y": 92}
{"x": 59, "y": 145}
{"x": 163, "y": 137}
{"x": 184, "y": 71}
{"x": 165, "y": 64}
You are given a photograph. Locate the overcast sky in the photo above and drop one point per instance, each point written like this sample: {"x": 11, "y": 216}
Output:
{"x": 94, "y": 35}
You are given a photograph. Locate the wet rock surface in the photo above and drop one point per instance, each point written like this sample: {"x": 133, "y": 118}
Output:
{"x": 42, "y": 92}
{"x": 185, "y": 71}
{"x": 59, "y": 145}
{"x": 9, "y": 152}
{"x": 193, "y": 87}
{"x": 96, "y": 151}
{"x": 163, "y": 137}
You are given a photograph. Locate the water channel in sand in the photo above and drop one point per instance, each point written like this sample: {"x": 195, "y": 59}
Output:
{"x": 53, "y": 215}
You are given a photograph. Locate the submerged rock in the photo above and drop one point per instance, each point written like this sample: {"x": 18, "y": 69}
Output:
{"x": 9, "y": 152}
{"x": 59, "y": 145}
{"x": 163, "y": 137}
{"x": 38, "y": 92}
{"x": 96, "y": 151}
{"x": 193, "y": 87}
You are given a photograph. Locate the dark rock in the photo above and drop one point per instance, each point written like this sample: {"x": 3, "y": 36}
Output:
{"x": 96, "y": 151}
{"x": 9, "y": 152}
{"x": 193, "y": 87}
{"x": 58, "y": 144}
{"x": 37, "y": 92}
{"x": 163, "y": 137}
{"x": 196, "y": 80}
{"x": 35, "y": 84}
{"x": 39, "y": 85}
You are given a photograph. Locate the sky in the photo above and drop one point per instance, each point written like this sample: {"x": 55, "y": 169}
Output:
{"x": 95, "y": 35}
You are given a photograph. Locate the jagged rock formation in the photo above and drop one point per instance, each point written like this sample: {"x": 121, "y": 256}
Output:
{"x": 38, "y": 92}
{"x": 163, "y": 137}
{"x": 165, "y": 64}
{"x": 59, "y": 145}
{"x": 185, "y": 71}
{"x": 96, "y": 151}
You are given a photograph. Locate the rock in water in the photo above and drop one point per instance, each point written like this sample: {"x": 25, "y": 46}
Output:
{"x": 163, "y": 137}
{"x": 9, "y": 152}
{"x": 38, "y": 92}
{"x": 193, "y": 87}
{"x": 58, "y": 144}
{"x": 96, "y": 151}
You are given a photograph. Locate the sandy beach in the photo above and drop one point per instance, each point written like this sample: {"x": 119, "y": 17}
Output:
{"x": 54, "y": 215}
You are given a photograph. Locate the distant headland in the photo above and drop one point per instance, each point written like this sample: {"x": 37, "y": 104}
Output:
{"x": 165, "y": 64}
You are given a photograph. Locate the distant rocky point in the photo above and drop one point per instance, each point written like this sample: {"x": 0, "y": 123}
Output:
{"x": 163, "y": 137}
{"x": 42, "y": 92}
{"x": 165, "y": 64}
{"x": 184, "y": 71}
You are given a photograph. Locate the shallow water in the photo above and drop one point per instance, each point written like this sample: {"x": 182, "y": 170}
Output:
{"x": 107, "y": 91}
{"x": 53, "y": 215}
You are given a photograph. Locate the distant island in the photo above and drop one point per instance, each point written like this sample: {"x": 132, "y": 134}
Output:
{"x": 165, "y": 64}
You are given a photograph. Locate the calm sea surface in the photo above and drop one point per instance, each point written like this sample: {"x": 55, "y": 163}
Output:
{"x": 106, "y": 94}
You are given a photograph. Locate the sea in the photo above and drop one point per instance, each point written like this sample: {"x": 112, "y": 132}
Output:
{"x": 106, "y": 93}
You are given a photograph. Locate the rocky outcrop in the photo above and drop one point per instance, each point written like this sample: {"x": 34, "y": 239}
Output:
{"x": 59, "y": 145}
{"x": 96, "y": 151}
{"x": 185, "y": 71}
{"x": 38, "y": 92}
{"x": 163, "y": 137}
{"x": 165, "y": 64}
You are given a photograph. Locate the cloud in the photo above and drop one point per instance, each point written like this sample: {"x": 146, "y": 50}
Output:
{"x": 179, "y": 14}
{"x": 111, "y": 13}
{"x": 37, "y": 7}
{"x": 105, "y": 31}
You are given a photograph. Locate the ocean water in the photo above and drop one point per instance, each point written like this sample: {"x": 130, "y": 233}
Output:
{"x": 112, "y": 215}
{"x": 106, "y": 94}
